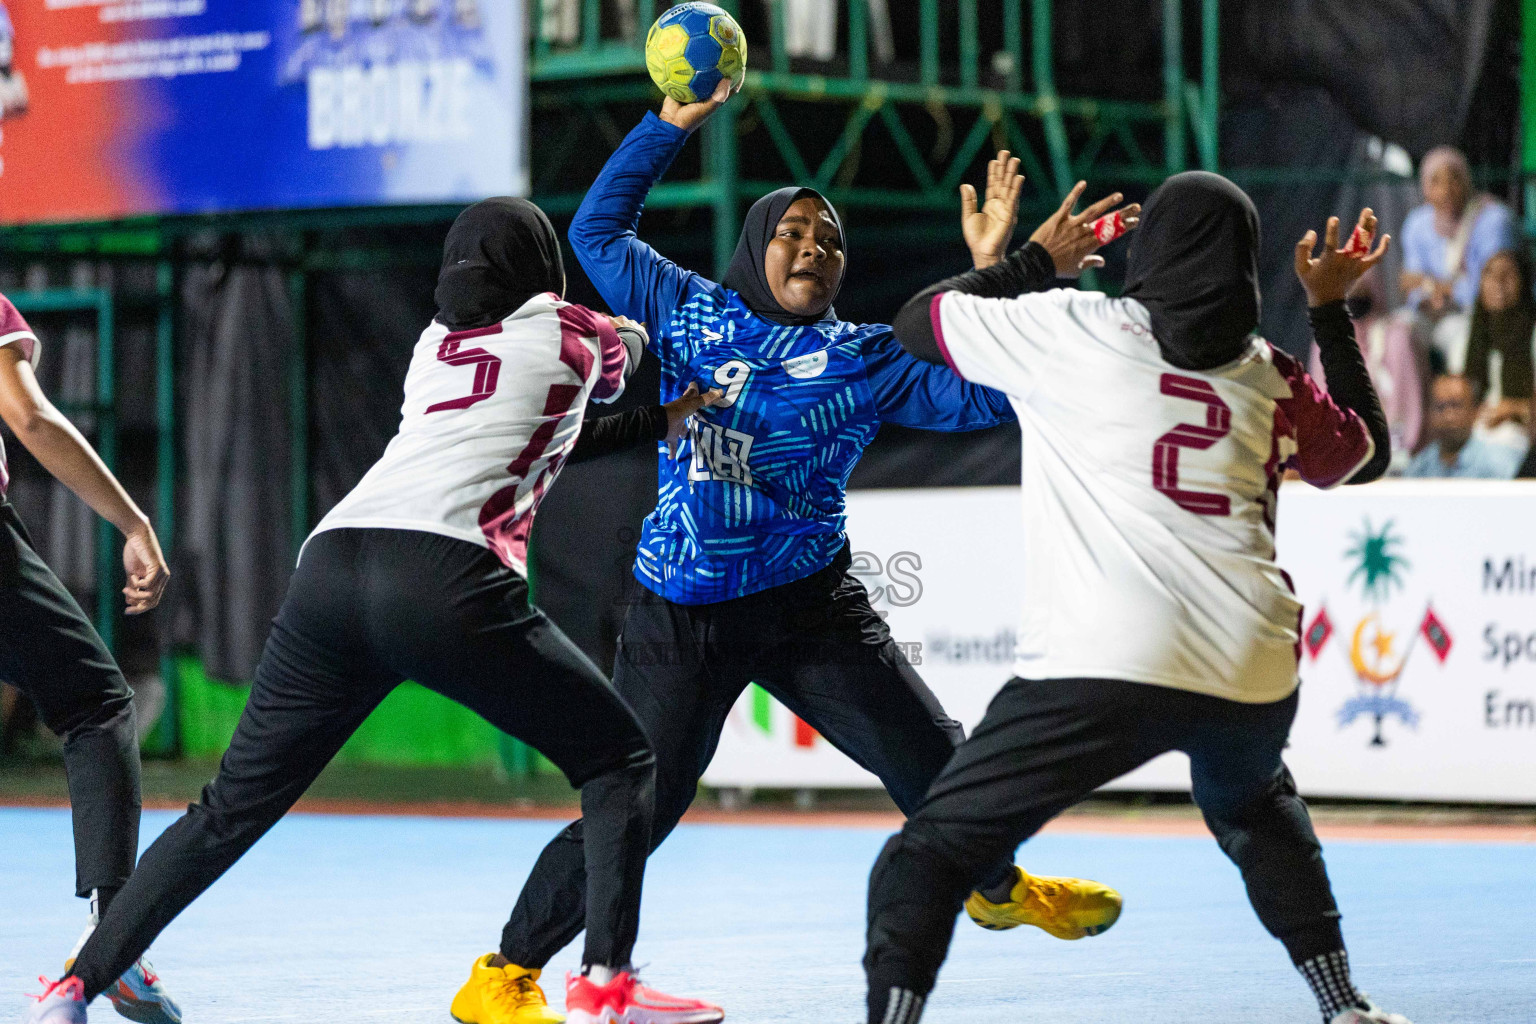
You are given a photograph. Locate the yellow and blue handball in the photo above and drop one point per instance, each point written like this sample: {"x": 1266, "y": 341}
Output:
{"x": 691, "y": 48}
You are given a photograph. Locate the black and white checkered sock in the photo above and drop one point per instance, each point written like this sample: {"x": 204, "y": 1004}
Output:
{"x": 1329, "y": 977}
{"x": 903, "y": 1006}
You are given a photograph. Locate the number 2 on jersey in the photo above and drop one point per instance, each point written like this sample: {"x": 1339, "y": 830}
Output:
{"x": 1165, "y": 453}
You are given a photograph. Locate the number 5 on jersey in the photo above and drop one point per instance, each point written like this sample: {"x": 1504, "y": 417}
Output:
{"x": 487, "y": 368}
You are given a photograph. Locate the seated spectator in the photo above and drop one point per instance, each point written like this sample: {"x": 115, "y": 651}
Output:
{"x": 1396, "y": 366}
{"x": 1448, "y": 239}
{"x": 1452, "y": 450}
{"x": 1500, "y": 348}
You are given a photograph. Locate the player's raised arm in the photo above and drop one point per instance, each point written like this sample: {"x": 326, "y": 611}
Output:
{"x": 1329, "y": 425}
{"x": 633, "y": 278}
{"x": 1062, "y": 246}
{"x": 54, "y": 442}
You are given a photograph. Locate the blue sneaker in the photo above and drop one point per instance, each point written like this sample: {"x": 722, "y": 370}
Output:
{"x": 139, "y": 995}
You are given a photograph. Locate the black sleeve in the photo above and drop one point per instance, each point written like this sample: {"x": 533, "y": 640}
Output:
{"x": 1028, "y": 269}
{"x": 605, "y": 435}
{"x": 1349, "y": 383}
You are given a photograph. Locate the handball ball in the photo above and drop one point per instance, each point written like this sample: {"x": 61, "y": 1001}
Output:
{"x": 691, "y": 48}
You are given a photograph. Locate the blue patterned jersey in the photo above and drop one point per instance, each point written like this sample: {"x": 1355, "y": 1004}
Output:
{"x": 756, "y": 497}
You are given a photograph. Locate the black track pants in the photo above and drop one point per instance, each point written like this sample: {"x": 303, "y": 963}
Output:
{"x": 51, "y": 652}
{"x": 1042, "y": 747}
{"x": 817, "y": 646}
{"x": 365, "y": 610}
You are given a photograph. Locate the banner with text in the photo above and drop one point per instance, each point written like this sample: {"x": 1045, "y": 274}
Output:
{"x": 1418, "y": 660}
{"x": 113, "y": 108}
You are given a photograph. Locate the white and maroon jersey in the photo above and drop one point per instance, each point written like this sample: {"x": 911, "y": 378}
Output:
{"x": 15, "y": 331}
{"x": 488, "y": 419}
{"x": 1149, "y": 492}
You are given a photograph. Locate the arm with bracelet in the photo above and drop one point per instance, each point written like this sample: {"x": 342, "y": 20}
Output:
{"x": 1328, "y": 278}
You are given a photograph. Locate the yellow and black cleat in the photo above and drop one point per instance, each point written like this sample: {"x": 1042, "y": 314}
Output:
{"x": 1068, "y": 908}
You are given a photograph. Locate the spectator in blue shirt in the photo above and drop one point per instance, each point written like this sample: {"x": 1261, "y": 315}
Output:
{"x": 1454, "y": 451}
{"x": 1447, "y": 240}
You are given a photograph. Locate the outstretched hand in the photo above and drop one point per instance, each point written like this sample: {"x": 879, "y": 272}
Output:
{"x": 1331, "y": 276}
{"x": 624, "y": 322}
{"x": 688, "y": 116}
{"x": 1069, "y": 237}
{"x": 989, "y": 229}
{"x": 682, "y": 408}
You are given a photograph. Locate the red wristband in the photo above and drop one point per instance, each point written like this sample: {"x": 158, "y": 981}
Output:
{"x": 1359, "y": 243}
{"x": 1108, "y": 227}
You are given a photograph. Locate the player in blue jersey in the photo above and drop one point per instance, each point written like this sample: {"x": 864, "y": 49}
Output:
{"x": 744, "y": 563}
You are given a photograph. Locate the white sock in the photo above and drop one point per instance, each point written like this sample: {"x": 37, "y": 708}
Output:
{"x": 600, "y": 975}
{"x": 89, "y": 928}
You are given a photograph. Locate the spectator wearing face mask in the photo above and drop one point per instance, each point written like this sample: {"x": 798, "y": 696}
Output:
{"x": 1447, "y": 240}
{"x": 1453, "y": 451}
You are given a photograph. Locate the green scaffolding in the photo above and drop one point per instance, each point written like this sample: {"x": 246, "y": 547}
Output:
{"x": 1081, "y": 135}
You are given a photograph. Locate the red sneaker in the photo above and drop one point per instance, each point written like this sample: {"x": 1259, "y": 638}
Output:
{"x": 625, "y": 1001}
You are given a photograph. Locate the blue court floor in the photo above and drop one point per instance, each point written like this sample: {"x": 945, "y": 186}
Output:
{"x": 342, "y": 919}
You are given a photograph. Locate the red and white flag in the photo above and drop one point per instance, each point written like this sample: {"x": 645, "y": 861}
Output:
{"x": 1435, "y": 632}
{"x": 1318, "y": 633}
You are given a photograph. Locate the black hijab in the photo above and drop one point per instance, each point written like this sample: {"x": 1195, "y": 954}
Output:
{"x": 745, "y": 274}
{"x": 1194, "y": 263}
{"x": 499, "y": 254}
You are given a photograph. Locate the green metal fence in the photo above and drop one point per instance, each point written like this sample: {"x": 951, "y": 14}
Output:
{"x": 1059, "y": 138}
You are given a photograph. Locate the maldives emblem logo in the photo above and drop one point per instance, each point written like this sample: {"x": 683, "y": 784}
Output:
{"x": 1378, "y": 647}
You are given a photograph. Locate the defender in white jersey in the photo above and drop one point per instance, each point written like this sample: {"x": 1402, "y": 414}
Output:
{"x": 1156, "y": 429}
{"x": 419, "y": 574}
{"x": 490, "y": 415}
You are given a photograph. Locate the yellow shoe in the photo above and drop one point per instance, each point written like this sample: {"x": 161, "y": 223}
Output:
{"x": 1068, "y": 908}
{"x": 502, "y": 995}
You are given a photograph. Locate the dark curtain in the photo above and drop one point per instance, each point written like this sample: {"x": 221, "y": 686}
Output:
{"x": 234, "y": 554}
{"x": 588, "y": 526}
{"x": 1405, "y": 70}
{"x": 70, "y": 533}
{"x": 363, "y": 327}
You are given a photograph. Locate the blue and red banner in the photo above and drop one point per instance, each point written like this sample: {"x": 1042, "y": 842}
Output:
{"x": 120, "y": 107}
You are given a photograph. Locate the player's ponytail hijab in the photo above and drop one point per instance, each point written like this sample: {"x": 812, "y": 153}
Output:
{"x": 1194, "y": 263}
{"x": 746, "y": 275}
{"x": 499, "y": 254}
